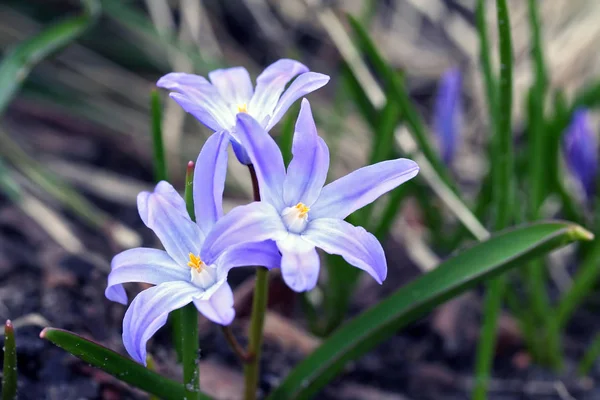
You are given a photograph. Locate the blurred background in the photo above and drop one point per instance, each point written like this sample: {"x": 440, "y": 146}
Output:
{"x": 75, "y": 150}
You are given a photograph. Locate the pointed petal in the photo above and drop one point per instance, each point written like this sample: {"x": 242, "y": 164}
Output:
{"x": 361, "y": 187}
{"x": 255, "y": 222}
{"x": 259, "y": 254}
{"x": 234, "y": 84}
{"x": 300, "y": 263}
{"x": 266, "y": 158}
{"x": 197, "y": 111}
{"x": 270, "y": 85}
{"x": 142, "y": 265}
{"x": 308, "y": 169}
{"x": 199, "y": 91}
{"x": 219, "y": 307}
{"x": 164, "y": 212}
{"x": 209, "y": 181}
{"x": 354, "y": 243}
{"x": 303, "y": 85}
{"x": 148, "y": 312}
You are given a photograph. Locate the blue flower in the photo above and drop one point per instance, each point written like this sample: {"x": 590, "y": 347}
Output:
{"x": 300, "y": 214}
{"x": 230, "y": 91}
{"x": 448, "y": 113}
{"x": 188, "y": 270}
{"x": 581, "y": 151}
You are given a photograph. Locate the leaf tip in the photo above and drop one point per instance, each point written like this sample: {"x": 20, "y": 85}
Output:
{"x": 8, "y": 326}
{"x": 43, "y": 333}
{"x": 579, "y": 233}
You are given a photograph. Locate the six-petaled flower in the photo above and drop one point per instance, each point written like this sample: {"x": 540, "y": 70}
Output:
{"x": 189, "y": 269}
{"x": 230, "y": 91}
{"x": 300, "y": 214}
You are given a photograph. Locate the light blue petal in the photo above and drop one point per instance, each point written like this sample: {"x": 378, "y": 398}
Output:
{"x": 307, "y": 171}
{"x": 303, "y": 85}
{"x": 270, "y": 84}
{"x": 196, "y": 110}
{"x": 197, "y": 90}
{"x": 255, "y": 222}
{"x": 164, "y": 212}
{"x": 209, "y": 181}
{"x": 240, "y": 152}
{"x": 219, "y": 307}
{"x": 266, "y": 158}
{"x": 142, "y": 265}
{"x": 354, "y": 243}
{"x": 148, "y": 312}
{"x": 259, "y": 254}
{"x": 300, "y": 263}
{"x": 234, "y": 84}
{"x": 361, "y": 187}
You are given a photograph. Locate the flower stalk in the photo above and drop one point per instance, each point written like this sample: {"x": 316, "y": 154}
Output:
{"x": 188, "y": 315}
{"x": 257, "y": 322}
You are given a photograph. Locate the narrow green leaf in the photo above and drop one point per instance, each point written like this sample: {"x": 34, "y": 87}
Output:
{"x": 590, "y": 356}
{"x": 506, "y": 250}
{"x": 120, "y": 367}
{"x": 286, "y": 136}
{"x": 21, "y": 59}
{"x": 160, "y": 163}
{"x": 9, "y": 371}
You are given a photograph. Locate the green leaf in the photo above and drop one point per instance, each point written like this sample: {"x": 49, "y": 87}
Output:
{"x": 120, "y": 367}
{"x": 16, "y": 65}
{"x": 506, "y": 250}
{"x": 9, "y": 372}
{"x": 160, "y": 163}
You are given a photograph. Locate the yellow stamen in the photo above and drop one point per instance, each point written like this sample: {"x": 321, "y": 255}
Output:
{"x": 242, "y": 108}
{"x": 302, "y": 209}
{"x": 195, "y": 262}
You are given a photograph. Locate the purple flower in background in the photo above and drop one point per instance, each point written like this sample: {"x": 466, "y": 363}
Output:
{"x": 581, "y": 151}
{"x": 230, "y": 91}
{"x": 300, "y": 214}
{"x": 448, "y": 112}
{"x": 187, "y": 270}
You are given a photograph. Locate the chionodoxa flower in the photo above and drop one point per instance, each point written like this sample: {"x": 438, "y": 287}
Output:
{"x": 190, "y": 269}
{"x": 230, "y": 91}
{"x": 300, "y": 214}
{"x": 448, "y": 113}
{"x": 581, "y": 151}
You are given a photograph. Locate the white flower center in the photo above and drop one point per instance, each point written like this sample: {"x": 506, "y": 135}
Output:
{"x": 202, "y": 275}
{"x": 295, "y": 218}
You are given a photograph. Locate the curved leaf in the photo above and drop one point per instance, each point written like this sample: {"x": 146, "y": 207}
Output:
{"x": 118, "y": 366}
{"x": 506, "y": 250}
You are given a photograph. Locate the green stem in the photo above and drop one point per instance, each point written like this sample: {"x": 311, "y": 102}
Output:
{"x": 9, "y": 377}
{"x": 188, "y": 317}
{"x": 259, "y": 307}
{"x": 502, "y": 170}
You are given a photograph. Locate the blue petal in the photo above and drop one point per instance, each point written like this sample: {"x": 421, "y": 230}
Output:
{"x": 448, "y": 112}
{"x": 266, "y": 158}
{"x": 361, "y": 187}
{"x": 270, "y": 84}
{"x": 234, "y": 84}
{"x": 196, "y": 90}
{"x": 142, "y": 265}
{"x": 164, "y": 212}
{"x": 303, "y": 85}
{"x": 300, "y": 263}
{"x": 219, "y": 307}
{"x": 307, "y": 171}
{"x": 209, "y": 181}
{"x": 581, "y": 151}
{"x": 355, "y": 244}
{"x": 148, "y": 312}
{"x": 255, "y": 222}
{"x": 259, "y": 254}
